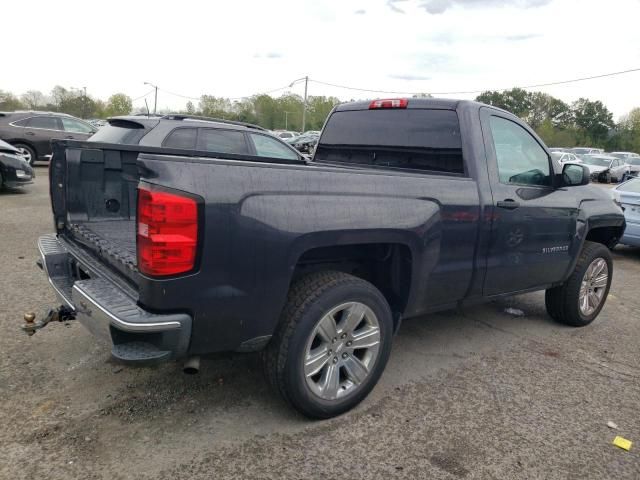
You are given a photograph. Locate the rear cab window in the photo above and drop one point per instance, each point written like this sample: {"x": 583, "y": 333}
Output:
{"x": 426, "y": 140}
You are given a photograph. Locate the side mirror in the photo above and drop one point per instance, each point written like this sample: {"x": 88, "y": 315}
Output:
{"x": 574, "y": 175}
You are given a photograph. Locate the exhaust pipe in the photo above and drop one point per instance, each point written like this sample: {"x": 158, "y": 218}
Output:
{"x": 191, "y": 366}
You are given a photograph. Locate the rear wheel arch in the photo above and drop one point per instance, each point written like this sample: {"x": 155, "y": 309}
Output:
{"x": 386, "y": 265}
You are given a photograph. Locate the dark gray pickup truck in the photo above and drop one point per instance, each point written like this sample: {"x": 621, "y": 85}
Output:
{"x": 172, "y": 250}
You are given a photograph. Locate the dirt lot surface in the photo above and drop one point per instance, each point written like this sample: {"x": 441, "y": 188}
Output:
{"x": 477, "y": 393}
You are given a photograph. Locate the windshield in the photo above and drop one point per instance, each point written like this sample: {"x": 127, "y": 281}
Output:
{"x": 581, "y": 150}
{"x": 633, "y": 161}
{"x": 631, "y": 186}
{"x": 556, "y": 155}
{"x": 618, "y": 155}
{"x": 597, "y": 161}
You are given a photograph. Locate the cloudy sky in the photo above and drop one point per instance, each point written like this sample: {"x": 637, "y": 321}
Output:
{"x": 238, "y": 48}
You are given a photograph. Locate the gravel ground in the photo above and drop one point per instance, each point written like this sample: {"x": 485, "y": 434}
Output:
{"x": 475, "y": 393}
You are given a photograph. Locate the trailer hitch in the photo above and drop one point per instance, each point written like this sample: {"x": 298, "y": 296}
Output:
{"x": 60, "y": 314}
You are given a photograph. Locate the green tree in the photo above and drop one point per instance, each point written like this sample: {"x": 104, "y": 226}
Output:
{"x": 9, "y": 102}
{"x": 216, "y": 107}
{"x": 118, "y": 104}
{"x": 33, "y": 99}
{"x": 516, "y": 100}
{"x": 593, "y": 119}
{"x": 545, "y": 107}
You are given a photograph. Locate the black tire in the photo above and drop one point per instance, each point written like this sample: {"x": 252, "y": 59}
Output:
{"x": 309, "y": 300}
{"x": 562, "y": 302}
{"x": 29, "y": 150}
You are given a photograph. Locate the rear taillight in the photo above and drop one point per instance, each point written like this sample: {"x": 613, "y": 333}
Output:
{"x": 389, "y": 103}
{"x": 167, "y": 236}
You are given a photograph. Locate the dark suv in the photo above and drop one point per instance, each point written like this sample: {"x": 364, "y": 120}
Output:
{"x": 189, "y": 132}
{"x": 31, "y": 132}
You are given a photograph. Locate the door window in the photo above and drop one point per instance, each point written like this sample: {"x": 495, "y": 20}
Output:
{"x": 50, "y": 123}
{"x": 270, "y": 147}
{"x": 222, "y": 141}
{"x": 182, "y": 138}
{"x": 521, "y": 159}
{"x": 71, "y": 125}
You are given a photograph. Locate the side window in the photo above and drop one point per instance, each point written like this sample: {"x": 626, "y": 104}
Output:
{"x": 222, "y": 141}
{"x": 182, "y": 138}
{"x": 71, "y": 125}
{"x": 50, "y": 123}
{"x": 521, "y": 160}
{"x": 22, "y": 123}
{"x": 270, "y": 147}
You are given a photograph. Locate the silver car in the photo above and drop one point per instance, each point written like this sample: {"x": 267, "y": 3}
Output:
{"x": 627, "y": 195}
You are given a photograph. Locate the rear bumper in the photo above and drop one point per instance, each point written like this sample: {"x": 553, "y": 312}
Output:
{"x": 110, "y": 311}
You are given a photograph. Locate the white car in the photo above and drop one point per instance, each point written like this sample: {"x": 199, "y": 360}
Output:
{"x": 586, "y": 150}
{"x": 605, "y": 168}
{"x": 627, "y": 195}
{"x": 565, "y": 157}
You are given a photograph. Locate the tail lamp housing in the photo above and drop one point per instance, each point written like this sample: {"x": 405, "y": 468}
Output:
{"x": 167, "y": 232}
{"x": 389, "y": 103}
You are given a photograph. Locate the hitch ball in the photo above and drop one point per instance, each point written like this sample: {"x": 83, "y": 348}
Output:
{"x": 29, "y": 319}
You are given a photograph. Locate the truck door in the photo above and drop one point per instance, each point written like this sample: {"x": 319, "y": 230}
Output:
{"x": 533, "y": 233}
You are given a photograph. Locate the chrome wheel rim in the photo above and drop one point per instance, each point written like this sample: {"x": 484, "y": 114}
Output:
{"x": 25, "y": 154}
{"x": 342, "y": 350}
{"x": 594, "y": 283}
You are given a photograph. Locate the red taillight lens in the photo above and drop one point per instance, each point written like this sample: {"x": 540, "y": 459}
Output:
{"x": 389, "y": 103}
{"x": 167, "y": 233}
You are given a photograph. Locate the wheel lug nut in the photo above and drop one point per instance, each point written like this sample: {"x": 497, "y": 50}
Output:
{"x": 344, "y": 355}
{"x": 344, "y": 335}
{"x": 330, "y": 352}
{"x": 349, "y": 343}
{"x": 335, "y": 340}
{"x": 335, "y": 359}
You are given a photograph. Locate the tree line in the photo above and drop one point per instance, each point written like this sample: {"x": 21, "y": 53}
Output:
{"x": 559, "y": 124}
{"x": 72, "y": 101}
{"x": 581, "y": 123}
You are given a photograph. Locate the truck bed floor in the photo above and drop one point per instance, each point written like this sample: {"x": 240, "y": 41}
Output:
{"x": 113, "y": 238}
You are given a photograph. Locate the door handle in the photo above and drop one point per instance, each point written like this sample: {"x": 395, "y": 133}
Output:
{"x": 509, "y": 204}
{"x": 29, "y": 133}
{"x": 69, "y": 136}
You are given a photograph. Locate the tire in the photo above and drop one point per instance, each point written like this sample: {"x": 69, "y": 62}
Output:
{"x": 310, "y": 303}
{"x": 28, "y": 151}
{"x": 564, "y": 303}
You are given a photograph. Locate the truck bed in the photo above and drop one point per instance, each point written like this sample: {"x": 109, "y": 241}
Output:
{"x": 114, "y": 239}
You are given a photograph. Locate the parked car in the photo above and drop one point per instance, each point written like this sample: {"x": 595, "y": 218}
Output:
{"x": 627, "y": 195}
{"x": 170, "y": 252}
{"x": 586, "y": 150}
{"x": 634, "y": 167}
{"x": 195, "y": 133}
{"x": 285, "y": 134}
{"x": 304, "y": 143}
{"x": 558, "y": 149}
{"x": 311, "y": 132}
{"x": 605, "y": 168}
{"x": 31, "y": 132}
{"x": 564, "y": 157}
{"x": 15, "y": 171}
{"x": 624, "y": 155}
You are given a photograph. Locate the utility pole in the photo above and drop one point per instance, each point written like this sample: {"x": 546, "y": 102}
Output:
{"x": 286, "y": 120}
{"x": 155, "y": 100}
{"x": 304, "y": 108}
{"x": 84, "y": 103}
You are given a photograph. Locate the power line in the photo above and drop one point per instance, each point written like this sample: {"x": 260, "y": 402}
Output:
{"x": 142, "y": 96}
{"x": 560, "y": 82}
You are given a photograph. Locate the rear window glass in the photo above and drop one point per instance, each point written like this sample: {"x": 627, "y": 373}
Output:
{"x": 222, "y": 141}
{"x": 426, "y": 140}
{"x": 50, "y": 123}
{"x": 128, "y": 133}
{"x": 184, "y": 138}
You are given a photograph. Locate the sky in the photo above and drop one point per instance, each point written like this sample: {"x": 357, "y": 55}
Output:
{"x": 239, "y": 48}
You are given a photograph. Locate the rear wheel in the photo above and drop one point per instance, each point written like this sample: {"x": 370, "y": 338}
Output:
{"x": 332, "y": 344}
{"x": 581, "y": 298}
{"x": 27, "y": 152}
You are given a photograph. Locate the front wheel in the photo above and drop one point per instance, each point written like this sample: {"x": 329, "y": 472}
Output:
{"x": 580, "y": 299}
{"x": 27, "y": 152}
{"x": 332, "y": 344}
